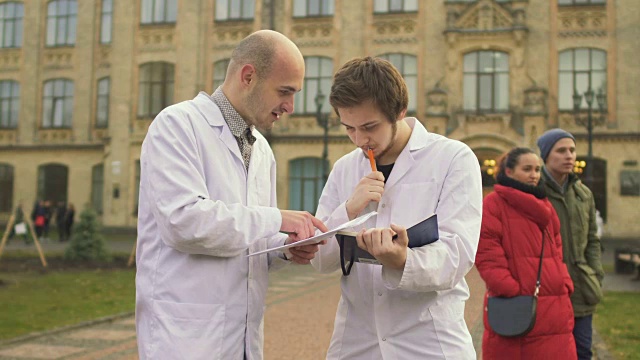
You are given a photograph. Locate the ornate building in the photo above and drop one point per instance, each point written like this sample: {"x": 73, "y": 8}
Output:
{"x": 80, "y": 82}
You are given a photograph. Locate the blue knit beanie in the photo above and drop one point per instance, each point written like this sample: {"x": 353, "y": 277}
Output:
{"x": 550, "y": 138}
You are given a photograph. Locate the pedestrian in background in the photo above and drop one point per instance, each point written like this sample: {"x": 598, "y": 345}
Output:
{"x": 516, "y": 219}
{"x": 69, "y": 215}
{"x": 38, "y": 216}
{"x": 575, "y": 205}
{"x": 61, "y": 211}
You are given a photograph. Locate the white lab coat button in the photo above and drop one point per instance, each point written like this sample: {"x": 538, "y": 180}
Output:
{"x": 380, "y": 293}
{"x": 383, "y": 205}
{"x": 384, "y": 339}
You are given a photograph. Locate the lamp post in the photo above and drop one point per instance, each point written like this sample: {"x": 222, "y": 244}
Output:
{"x": 589, "y": 122}
{"x": 323, "y": 121}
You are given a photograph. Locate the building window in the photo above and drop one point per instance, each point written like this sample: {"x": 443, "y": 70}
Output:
{"x": 6, "y": 184}
{"x": 309, "y": 8}
{"x": 305, "y": 184}
{"x": 579, "y": 70}
{"x": 580, "y": 2}
{"x": 102, "y": 106}
{"x": 394, "y": 6}
{"x": 57, "y": 108}
{"x": 106, "y": 21}
{"x": 219, "y": 72}
{"x": 158, "y": 12}
{"x": 234, "y": 10}
{"x": 53, "y": 183}
{"x": 61, "y": 22}
{"x": 97, "y": 187}
{"x": 11, "y": 14}
{"x": 486, "y": 81}
{"x": 407, "y": 65}
{"x": 9, "y": 104}
{"x": 317, "y": 77}
{"x": 155, "y": 88}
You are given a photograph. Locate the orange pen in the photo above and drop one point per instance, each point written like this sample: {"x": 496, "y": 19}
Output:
{"x": 372, "y": 160}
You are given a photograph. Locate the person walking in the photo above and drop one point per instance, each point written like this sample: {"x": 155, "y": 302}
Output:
{"x": 516, "y": 219}
{"x": 411, "y": 307}
{"x": 61, "y": 211}
{"x": 207, "y": 200}
{"x": 582, "y": 251}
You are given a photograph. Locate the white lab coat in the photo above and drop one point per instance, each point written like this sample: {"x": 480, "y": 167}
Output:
{"x": 419, "y": 313}
{"x": 197, "y": 295}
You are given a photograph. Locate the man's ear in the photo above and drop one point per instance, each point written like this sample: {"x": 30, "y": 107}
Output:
{"x": 247, "y": 74}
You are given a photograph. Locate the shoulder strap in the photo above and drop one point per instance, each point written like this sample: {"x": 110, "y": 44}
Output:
{"x": 540, "y": 265}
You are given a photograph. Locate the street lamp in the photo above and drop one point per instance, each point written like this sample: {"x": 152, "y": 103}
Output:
{"x": 589, "y": 122}
{"x": 323, "y": 121}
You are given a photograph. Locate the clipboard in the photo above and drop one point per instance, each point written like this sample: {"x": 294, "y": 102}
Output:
{"x": 423, "y": 233}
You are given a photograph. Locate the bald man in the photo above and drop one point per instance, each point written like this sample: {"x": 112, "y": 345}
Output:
{"x": 207, "y": 199}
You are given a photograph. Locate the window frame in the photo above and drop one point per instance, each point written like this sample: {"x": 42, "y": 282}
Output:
{"x": 13, "y": 100}
{"x": 164, "y": 68}
{"x": 102, "y": 98}
{"x": 68, "y": 18}
{"x": 220, "y": 65}
{"x": 590, "y": 74}
{"x": 478, "y": 73}
{"x": 586, "y": 3}
{"x": 106, "y": 22}
{"x": 403, "y": 10}
{"x": 7, "y": 180}
{"x": 15, "y": 23}
{"x": 228, "y": 9}
{"x": 65, "y": 100}
{"x": 303, "y": 99}
{"x": 326, "y": 8}
{"x": 413, "y": 93}
{"x": 318, "y": 182}
{"x": 165, "y": 19}
{"x": 97, "y": 188}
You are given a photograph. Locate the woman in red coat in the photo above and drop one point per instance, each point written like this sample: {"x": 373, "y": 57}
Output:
{"x": 515, "y": 217}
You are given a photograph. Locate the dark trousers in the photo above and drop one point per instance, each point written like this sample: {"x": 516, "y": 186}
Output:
{"x": 582, "y": 332}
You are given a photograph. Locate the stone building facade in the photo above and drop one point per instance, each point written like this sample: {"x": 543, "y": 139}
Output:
{"x": 81, "y": 80}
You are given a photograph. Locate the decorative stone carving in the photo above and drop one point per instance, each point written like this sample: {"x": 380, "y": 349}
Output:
{"x": 485, "y": 15}
{"x": 589, "y": 22}
{"x": 10, "y": 60}
{"x": 156, "y": 39}
{"x": 395, "y": 29}
{"x": 227, "y": 35}
{"x": 535, "y": 101}
{"x": 437, "y": 102}
{"x": 58, "y": 58}
{"x": 8, "y": 136}
{"x": 55, "y": 136}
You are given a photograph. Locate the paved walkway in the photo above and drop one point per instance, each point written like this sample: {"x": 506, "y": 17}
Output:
{"x": 301, "y": 306}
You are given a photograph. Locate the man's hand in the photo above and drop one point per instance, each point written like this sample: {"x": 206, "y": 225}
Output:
{"x": 370, "y": 188}
{"x": 303, "y": 254}
{"x": 300, "y": 225}
{"x": 379, "y": 243}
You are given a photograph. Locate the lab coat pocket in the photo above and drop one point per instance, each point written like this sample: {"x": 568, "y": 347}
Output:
{"x": 451, "y": 330}
{"x": 187, "y": 331}
{"x": 414, "y": 202}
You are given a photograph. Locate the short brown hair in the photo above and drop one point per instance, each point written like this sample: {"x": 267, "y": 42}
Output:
{"x": 370, "y": 79}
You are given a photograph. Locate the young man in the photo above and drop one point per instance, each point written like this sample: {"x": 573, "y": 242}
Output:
{"x": 411, "y": 307}
{"x": 576, "y": 210}
{"x": 207, "y": 199}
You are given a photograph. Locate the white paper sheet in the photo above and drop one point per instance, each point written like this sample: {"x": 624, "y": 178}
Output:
{"x": 318, "y": 238}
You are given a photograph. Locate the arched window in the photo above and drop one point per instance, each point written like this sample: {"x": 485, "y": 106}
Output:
{"x": 11, "y": 14}
{"x": 579, "y": 70}
{"x": 306, "y": 182}
{"x": 9, "y": 104}
{"x": 61, "y": 22}
{"x": 53, "y": 182}
{"x": 158, "y": 11}
{"x": 155, "y": 90}
{"x": 486, "y": 81}
{"x": 57, "y": 104}
{"x": 317, "y": 77}
{"x": 6, "y": 184}
{"x": 408, "y": 67}
{"x": 219, "y": 72}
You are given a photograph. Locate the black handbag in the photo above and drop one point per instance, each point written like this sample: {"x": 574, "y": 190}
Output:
{"x": 515, "y": 316}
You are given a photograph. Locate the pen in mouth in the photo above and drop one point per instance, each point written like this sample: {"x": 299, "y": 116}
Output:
{"x": 372, "y": 160}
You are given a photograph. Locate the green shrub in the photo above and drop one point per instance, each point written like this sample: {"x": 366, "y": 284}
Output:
{"x": 87, "y": 243}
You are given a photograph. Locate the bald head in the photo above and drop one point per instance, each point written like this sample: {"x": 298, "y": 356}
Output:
{"x": 260, "y": 49}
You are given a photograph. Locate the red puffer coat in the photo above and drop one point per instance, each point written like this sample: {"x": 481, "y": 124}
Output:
{"x": 508, "y": 258}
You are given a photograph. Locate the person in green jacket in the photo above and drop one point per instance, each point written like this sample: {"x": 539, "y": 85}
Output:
{"x": 576, "y": 210}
